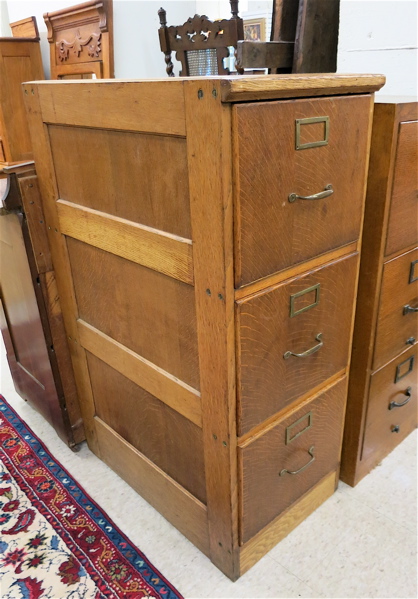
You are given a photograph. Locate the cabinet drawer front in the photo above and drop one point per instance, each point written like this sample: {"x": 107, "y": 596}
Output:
{"x": 403, "y": 219}
{"x": 273, "y": 233}
{"x": 396, "y": 382}
{"x": 397, "y": 325}
{"x": 310, "y": 437}
{"x": 308, "y": 312}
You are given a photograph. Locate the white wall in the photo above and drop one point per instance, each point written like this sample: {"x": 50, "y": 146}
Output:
{"x": 380, "y": 36}
{"x": 376, "y": 36}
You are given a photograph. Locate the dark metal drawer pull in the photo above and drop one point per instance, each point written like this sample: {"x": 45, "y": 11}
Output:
{"x": 410, "y": 341}
{"x": 394, "y": 404}
{"x": 317, "y": 196}
{"x": 395, "y": 429}
{"x": 311, "y": 453}
{"x": 407, "y": 309}
{"x": 308, "y": 352}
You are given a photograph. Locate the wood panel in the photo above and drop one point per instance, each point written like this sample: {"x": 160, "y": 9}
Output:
{"x": 273, "y": 233}
{"x": 267, "y": 381}
{"x": 137, "y": 109}
{"x": 154, "y": 249}
{"x": 149, "y": 313}
{"x": 403, "y": 219}
{"x": 395, "y": 329}
{"x": 171, "y": 442}
{"x": 20, "y": 60}
{"x": 32, "y": 375}
{"x": 266, "y": 489}
{"x": 180, "y": 508}
{"x": 142, "y": 178}
{"x": 167, "y": 388}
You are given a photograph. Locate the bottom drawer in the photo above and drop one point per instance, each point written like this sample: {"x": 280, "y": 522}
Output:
{"x": 385, "y": 428}
{"x": 288, "y": 459}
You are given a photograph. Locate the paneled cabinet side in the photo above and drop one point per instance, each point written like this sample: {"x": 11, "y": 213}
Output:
{"x": 49, "y": 192}
{"x": 208, "y": 133}
{"x": 379, "y": 186}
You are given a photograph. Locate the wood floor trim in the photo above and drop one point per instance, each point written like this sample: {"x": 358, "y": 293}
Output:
{"x": 164, "y": 386}
{"x": 277, "y": 530}
{"x": 172, "y": 500}
{"x": 155, "y": 249}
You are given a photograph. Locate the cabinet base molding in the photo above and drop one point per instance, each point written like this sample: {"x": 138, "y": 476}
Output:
{"x": 277, "y": 530}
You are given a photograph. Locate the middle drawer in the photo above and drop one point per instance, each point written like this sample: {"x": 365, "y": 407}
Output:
{"x": 292, "y": 337}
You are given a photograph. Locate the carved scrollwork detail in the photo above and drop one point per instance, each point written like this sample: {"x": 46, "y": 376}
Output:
{"x": 199, "y": 32}
{"x": 92, "y": 44}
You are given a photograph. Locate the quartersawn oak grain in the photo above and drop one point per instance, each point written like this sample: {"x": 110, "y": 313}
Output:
{"x": 380, "y": 318}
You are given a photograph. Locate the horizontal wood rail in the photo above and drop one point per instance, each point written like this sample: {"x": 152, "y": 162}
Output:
{"x": 163, "y": 252}
{"x": 164, "y": 386}
{"x": 174, "y": 502}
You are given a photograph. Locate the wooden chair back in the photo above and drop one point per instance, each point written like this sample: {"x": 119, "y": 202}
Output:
{"x": 304, "y": 39}
{"x": 200, "y": 45}
{"x": 25, "y": 28}
{"x": 81, "y": 41}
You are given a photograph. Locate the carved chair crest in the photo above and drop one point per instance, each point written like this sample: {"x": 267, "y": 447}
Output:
{"x": 201, "y": 45}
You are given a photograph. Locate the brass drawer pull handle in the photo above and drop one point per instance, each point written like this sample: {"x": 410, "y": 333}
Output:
{"x": 311, "y": 453}
{"x": 308, "y": 352}
{"x": 394, "y": 404}
{"x": 317, "y": 196}
{"x": 407, "y": 309}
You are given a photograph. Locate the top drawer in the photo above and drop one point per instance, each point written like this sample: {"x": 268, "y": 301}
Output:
{"x": 403, "y": 219}
{"x": 297, "y": 147}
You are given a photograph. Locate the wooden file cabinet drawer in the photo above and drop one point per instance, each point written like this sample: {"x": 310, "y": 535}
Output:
{"x": 295, "y": 316}
{"x": 272, "y": 232}
{"x": 403, "y": 218}
{"x": 396, "y": 382}
{"x": 308, "y": 440}
{"x": 397, "y": 322}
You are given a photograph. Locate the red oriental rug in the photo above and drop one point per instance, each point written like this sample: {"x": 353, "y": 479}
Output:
{"x": 55, "y": 541}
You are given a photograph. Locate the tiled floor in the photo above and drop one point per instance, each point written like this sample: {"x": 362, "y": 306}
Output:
{"x": 360, "y": 543}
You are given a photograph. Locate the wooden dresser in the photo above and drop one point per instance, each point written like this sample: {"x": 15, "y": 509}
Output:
{"x": 382, "y": 397}
{"x": 205, "y": 234}
{"x": 30, "y": 315}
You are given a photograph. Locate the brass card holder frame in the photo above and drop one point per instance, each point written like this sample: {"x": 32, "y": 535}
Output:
{"x": 289, "y": 429}
{"x": 413, "y": 278}
{"x": 295, "y": 296}
{"x": 309, "y": 121}
{"x": 398, "y": 375}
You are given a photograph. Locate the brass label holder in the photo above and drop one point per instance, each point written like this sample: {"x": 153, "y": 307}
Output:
{"x": 316, "y": 288}
{"x": 310, "y": 121}
{"x": 399, "y": 375}
{"x": 289, "y": 429}
{"x": 412, "y": 276}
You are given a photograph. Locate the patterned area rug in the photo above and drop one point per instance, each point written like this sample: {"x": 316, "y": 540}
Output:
{"x": 55, "y": 542}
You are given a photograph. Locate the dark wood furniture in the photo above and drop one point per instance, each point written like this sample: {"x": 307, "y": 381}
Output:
{"x": 382, "y": 398}
{"x": 81, "y": 41}
{"x": 205, "y": 235}
{"x": 304, "y": 39}
{"x": 25, "y": 28}
{"x": 20, "y": 60}
{"x": 30, "y": 314}
{"x": 200, "y": 45}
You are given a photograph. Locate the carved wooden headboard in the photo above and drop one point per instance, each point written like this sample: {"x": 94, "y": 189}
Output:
{"x": 81, "y": 41}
